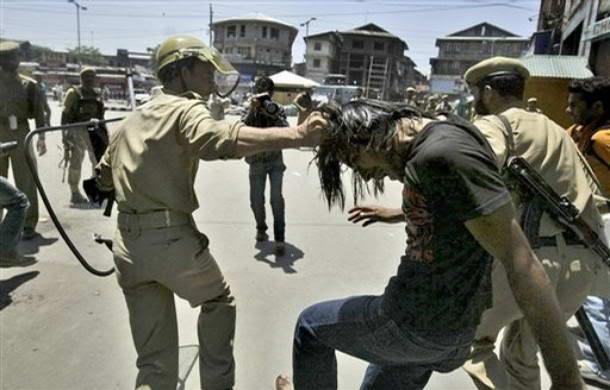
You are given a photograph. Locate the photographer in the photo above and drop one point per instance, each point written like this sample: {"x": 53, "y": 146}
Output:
{"x": 264, "y": 112}
{"x": 16, "y": 204}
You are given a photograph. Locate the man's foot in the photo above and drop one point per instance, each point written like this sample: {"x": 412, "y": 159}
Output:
{"x": 283, "y": 383}
{"x": 261, "y": 236}
{"x": 29, "y": 234}
{"x": 12, "y": 259}
{"x": 77, "y": 198}
{"x": 280, "y": 248}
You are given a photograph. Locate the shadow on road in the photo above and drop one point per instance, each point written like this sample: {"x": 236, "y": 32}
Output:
{"x": 9, "y": 285}
{"x": 32, "y": 246}
{"x": 284, "y": 262}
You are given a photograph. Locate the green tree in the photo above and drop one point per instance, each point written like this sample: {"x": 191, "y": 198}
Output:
{"x": 88, "y": 55}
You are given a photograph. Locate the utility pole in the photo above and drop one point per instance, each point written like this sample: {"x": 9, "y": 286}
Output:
{"x": 78, "y": 8}
{"x": 211, "y": 21}
{"x": 306, "y": 25}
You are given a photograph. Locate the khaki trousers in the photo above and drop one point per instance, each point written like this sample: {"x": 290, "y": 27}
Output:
{"x": 81, "y": 144}
{"x": 152, "y": 265}
{"x": 21, "y": 173}
{"x": 571, "y": 270}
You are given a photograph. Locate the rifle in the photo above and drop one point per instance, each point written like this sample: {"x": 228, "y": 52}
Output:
{"x": 564, "y": 212}
{"x": 559, "y": 207}
{"x": 64, "y": 163}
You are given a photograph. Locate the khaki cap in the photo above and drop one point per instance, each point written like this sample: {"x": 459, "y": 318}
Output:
{"x": 9, "y": 48}
{"x": 410, "y": 89}
{"x": 88, "y": 70}
{"x": 532, "y": 100}
{"x": 495, "y": 66}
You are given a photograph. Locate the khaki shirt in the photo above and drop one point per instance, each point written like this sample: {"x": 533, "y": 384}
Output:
{"x": 550, "y": 150}
{"x": 19, "y": 97}
{"x": 154, "y": 155}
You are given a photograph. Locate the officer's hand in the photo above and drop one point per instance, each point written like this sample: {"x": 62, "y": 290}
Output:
{"x": 372, "y": 214}
{"x": 312, "y": 130}
{"x": 41, "y": 147}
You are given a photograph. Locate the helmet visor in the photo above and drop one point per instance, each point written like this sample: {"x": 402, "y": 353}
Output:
{"x": 225, "y": 83}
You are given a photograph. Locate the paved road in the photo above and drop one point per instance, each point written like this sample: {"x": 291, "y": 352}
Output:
{"x": 62, "y": 328}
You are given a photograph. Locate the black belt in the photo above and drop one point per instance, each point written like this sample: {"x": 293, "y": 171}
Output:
{"x": 569, "y": 238}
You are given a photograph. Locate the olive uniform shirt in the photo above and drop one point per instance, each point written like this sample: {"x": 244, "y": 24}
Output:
{"x": 82, "y": 104}
{"x": 19, "y": 97}
{"x": 154, "y": 155}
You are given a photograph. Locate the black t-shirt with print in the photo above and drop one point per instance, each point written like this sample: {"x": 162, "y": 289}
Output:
{"x": 443, "y": 283}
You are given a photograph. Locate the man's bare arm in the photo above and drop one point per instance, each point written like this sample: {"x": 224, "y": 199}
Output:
{"x": 252, "y": 140}
{"x": 500, "y": 234}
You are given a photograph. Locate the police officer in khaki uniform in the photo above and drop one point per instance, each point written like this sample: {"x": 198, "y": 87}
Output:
{"x": 410, "y": 98}
{"x": 82, "y": 103}
{"x": 497, "y": 85}
{"x": 20, "y": 100}
{"x": 151, "y": 164}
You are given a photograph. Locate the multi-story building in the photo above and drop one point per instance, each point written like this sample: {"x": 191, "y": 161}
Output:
{"x": 461, "y": 50}
{"x": 322, "y": 55}
{"x": 255, "y": 44}
{"x": 576, "y": 28}
{"x": 368, "y": 56}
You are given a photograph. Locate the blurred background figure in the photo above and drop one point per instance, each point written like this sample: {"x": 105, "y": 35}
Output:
{"x": 532, "y": 105}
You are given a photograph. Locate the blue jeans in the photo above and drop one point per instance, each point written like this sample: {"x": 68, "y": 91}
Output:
{"x": 598, "y": 311}
{"x": 399, "y": 358}
{"x": 258, "y": 180}
{"x": 16, "y": 204}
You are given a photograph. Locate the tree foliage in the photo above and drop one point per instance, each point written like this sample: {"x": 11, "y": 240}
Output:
{"x": 88, "y": 55}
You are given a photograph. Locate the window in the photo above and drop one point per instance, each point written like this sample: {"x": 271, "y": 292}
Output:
{"x": 357, "y": 44}
{"x": 316, "y": 63}
{"x": 317, "y": 46}
{"x": 231, "y": 31}
{"x": 379, "y": 46}
{"x": 242, "y": 31}
{"x": 275, "y": 33}
{"x": 264, "y": 31}
{"x": 244, "y": 52}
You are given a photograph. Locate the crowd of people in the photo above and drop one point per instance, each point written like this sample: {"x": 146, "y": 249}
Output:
{"x": 480, "y": 256}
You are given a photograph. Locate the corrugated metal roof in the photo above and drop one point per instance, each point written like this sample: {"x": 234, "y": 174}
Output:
{"x": 559, "y": 67}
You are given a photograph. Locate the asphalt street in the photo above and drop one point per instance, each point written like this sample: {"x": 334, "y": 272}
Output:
{"x": 63, "y": 328}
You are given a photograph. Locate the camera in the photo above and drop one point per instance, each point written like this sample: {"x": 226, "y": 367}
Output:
{"x": 269, "y": 107}
{"x": 6, "y": 147}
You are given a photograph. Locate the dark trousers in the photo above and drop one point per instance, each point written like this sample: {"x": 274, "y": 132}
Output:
{"x": 399, "y": 358}
{"x": 258, "y": 180}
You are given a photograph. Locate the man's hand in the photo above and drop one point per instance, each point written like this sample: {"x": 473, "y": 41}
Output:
{"x": 312, "y": 130}
{"x": 41, "y": 146}
{"x": 372, "y": 214}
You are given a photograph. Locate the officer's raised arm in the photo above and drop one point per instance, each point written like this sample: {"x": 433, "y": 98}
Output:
{"x": 251, "y": 140}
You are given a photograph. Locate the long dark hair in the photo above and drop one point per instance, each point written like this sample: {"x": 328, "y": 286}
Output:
{"x": 358, "y": 125}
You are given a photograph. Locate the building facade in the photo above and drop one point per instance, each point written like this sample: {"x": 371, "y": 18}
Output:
{"x": 368, "y": 56}
{"x": 322, "y": 53}
{"x": 460, "y": 50}
{"x": 576, "y": 28}
{"x": 255, "y": 44}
